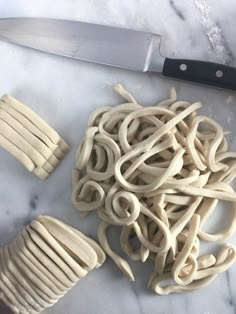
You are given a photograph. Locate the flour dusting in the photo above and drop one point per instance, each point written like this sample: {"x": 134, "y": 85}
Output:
{"x": 214, "y": 32}
{"x": 229, "y": 99}
{"x": 229, "y": 119}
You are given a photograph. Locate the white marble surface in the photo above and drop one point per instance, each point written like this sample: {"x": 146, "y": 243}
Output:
{"x": 64, "y": 92}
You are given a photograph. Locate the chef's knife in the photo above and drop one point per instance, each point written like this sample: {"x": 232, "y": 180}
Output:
{"x": 129, "y": 49}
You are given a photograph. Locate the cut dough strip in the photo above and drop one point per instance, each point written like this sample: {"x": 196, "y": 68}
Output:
{"x": 30, "y": 139}
{"x": 33, "y": 117}
{"x": 71, "y": 241}
{"x": 158, "y": 172}
{"x": 42, "y": 264}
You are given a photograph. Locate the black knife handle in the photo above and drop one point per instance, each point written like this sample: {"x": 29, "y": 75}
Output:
{"x": 201, "y": 72}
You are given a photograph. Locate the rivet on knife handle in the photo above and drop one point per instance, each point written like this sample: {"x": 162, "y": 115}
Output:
{"x": 201, "y": 72}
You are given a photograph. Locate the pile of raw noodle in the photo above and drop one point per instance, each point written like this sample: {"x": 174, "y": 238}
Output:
{"x": 158, "y": 172}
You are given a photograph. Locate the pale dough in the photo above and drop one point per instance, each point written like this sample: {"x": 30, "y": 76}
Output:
{"x": 158, "y": 172}
{"x": 81, "y": 251}
{"x": 42, "y": 267}
{"x": 46, "y": 259}
{"x": 33, "y": 117}
{"x": 29, "y": 139}
{"x": 34, "y": 267}
{"x": 28, "y": 125}
{"x": 49, "y": 239}
{"x": 17, "y": 153}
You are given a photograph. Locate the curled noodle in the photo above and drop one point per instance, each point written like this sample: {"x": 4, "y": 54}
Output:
{"x": 158, "y": 172}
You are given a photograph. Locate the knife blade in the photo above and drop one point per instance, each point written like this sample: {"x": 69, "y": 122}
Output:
{"x": 119, "y": 47}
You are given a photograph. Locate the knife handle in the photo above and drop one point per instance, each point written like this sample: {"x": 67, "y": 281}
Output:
{"x": 202, "y": 72}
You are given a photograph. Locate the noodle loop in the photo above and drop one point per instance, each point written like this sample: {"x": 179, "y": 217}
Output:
{"x": 158, "y": 172}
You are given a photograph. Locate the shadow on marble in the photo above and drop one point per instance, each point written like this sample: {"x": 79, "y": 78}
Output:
{"x": 4, "y": 309}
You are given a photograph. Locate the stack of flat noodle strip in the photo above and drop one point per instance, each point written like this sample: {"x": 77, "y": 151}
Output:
{"x": 158, "y": 172}
{"x": 45, "y": 261}
{"x": 29, "y": 139}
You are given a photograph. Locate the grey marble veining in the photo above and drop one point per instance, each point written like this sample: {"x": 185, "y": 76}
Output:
{"x": 65, "y": 91}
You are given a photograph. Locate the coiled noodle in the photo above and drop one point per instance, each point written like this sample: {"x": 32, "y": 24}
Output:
{"x": 158, "y": 172}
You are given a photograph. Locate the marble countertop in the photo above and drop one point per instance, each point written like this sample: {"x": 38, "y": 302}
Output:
{"x": 65, "y": 91}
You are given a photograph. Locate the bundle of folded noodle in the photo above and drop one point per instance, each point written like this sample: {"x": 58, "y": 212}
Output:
{"x": 29, "y": 138}
{"x": 46, "y": 259}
